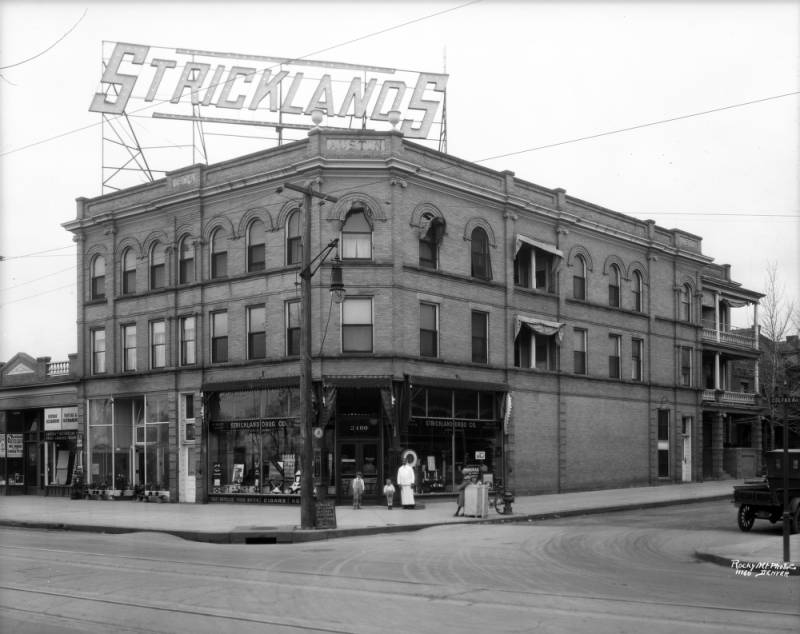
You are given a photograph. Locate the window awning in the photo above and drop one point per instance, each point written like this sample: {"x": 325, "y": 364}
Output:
{"x": 540, "y": 326}
{"x": 544, "y": 246}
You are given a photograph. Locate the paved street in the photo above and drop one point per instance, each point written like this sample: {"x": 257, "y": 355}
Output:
{"x": 617, "y": 572}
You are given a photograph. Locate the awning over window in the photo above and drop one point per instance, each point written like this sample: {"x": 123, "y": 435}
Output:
{"x": 540, "y": 326}
{"x": 544, "y": 246}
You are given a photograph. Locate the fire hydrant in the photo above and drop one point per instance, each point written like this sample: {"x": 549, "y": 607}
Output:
{"x": 508, "y": 498}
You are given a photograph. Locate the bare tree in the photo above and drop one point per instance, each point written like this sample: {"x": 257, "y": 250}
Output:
{"x": 776, "y": 315}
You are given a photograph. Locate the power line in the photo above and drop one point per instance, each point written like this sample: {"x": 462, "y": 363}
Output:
{"x": 30, "y": 59}
{"x": 22, "y": 299}
{"x": 36, "y": 279}
{"x": 35, "y": 253}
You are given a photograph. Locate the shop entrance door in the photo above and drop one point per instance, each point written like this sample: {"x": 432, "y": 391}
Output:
{"x": 355, "y": 456}
{"x": 34, "y": 468}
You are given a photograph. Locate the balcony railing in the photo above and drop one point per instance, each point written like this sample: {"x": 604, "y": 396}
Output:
{"x": 730, "y": 398}
{"x": 58, "y": 368}
{"x": 729, "y": 338}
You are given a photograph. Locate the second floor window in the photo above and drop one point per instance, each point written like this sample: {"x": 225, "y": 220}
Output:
{"x": 357, "y": 236}
{"x": 98, "y": 351}
{"x": 219, "y": 255}
{"x": 292, "y": 328}
{"x": 637, "y": 349}
{"x": 129, "y": 348}
{"x": 256, "y": 333}
{"x": 534, "y": 349}
{"x": 480, "y": 337}
{"x": 188, "y": 337}
{"x": 158, "y": 344}
{"x": 614, "y": 279}
{"x": 480, "y": 264}
{"x": 579, "y": 346}
{"x": 428, "y": 330}
{"x": 685, "y": 366}
{"x": 219, "y": 337}
{"x": 357, "y": 324}
{"x": 579, "y": 278}
{"x": 686, "y": 303}
{"x": 158, "y": 268}
{"x": 128, "y": 272}
{"x": 256, "y": 252}
{"x": 98, "y": 277}
{"x": 615, "y": 345}
{"x": 186, "y": 262}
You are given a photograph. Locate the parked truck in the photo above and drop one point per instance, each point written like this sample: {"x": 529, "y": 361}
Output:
{"x": 764, "y": 498}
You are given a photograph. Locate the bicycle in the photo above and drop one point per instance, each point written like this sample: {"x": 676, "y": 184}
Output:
{"x": 502, "y": 499}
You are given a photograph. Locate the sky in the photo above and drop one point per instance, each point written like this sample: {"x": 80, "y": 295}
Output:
{"x": 682, "y": 112}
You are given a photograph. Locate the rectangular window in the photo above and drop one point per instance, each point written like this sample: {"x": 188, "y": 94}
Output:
{"x": 523, "y": 263}
{"x": 579, "y": 287}
{"x": 613, "y": 295}
{"x": 158, "y": 344}
{"x": 535, "y": 268}
{"x": 357, "y": 325}
{"x": 663, "y": 443}
{"x": 188, "y": 341}
{"x": 615, "y": 345}
{"x": 579, "y": 336}
{"x": 292, "y": 328}
{"x": 480, "y": 337}
{"x": 186, "y": 270}
{"x": 129, "y": 281}
{"x": 219, "y": 264}
{"x": 686, "y": 366}
{"x": 98, "y": 351}
{"x": 545, "y": 352}
{"x": 428, "y": 330}
{"x": 129, "y": 348}
{"x": 256, "y": 332}
{"x": 219, "y": 337}
{"x": 637, "y": 348}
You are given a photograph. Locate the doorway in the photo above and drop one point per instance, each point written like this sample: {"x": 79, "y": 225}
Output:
{"x": 35, "y": 461}
{"x": 686, "y": 438}
{"x": 358, "y": 456}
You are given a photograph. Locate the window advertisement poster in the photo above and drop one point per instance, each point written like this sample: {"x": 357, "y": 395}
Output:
{"x": 52, "y": 419}
{"x": 13, "y": 446}
{"x": 69, "y": 418}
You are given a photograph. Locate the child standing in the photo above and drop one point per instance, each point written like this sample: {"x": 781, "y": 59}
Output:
{"x": 388, "y": 491}
{"x": 358, "y": 490}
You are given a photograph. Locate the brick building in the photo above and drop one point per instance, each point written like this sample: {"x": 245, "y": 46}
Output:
{"x": 489, "y": 324}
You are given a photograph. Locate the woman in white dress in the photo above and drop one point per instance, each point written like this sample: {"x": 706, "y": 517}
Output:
{"x": 405, "y": 480}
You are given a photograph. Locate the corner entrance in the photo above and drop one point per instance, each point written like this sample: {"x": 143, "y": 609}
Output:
{"x": 358, "y": 456}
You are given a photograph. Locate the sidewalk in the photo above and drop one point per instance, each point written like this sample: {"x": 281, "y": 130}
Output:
{"x": 269, "y": 523}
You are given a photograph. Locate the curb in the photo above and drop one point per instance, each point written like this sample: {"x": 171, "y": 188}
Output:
{"x": 294, "y": 534}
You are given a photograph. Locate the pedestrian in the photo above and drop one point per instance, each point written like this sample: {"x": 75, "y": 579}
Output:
{"x": 405, "y": 480}
{"x": 460, "y": 501}
{"x": 388, "y": 491}
{"x": 358, "y": 490}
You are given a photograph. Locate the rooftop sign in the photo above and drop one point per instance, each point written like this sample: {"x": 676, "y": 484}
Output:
{"x": 267, "y": 91}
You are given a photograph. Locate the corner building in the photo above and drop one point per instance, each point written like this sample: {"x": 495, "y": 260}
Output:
{"x": 489, "y": 324}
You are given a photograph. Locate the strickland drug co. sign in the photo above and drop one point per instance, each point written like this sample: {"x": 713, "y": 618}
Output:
{"x": 248, "y": 87}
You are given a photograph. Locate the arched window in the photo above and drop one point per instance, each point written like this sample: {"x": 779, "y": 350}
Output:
{"x": 356, "y": 236}
{"x": 481, "y": 265}
{"x": 256, "y": 253}
{"x": 579, "y": 278}
{"x": 98, "y": 277}
{"x": 219, "y": 255}
{"x": 128, "y": 272}
{"x": 614, "y": 279}
{"x": 686, "y": 303}
{"x": 158, "y": 268}
{"x": 294, "y": 241}
{"x": 638, "y": 287}
{"x": 186, "y": 261}
{"x": 433, "y": 228}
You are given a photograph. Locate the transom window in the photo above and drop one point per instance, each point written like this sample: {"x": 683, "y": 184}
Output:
{"x": 357, "y": 236}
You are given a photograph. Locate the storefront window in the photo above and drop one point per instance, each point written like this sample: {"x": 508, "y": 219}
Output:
{"x": 100, "y": 443}
{"x": 255, "y": 442}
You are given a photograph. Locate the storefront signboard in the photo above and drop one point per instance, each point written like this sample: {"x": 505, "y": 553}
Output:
{"x": 69, "y": 434}
{"x": 452, "y": 424}
{"x": 69, "y": 418}
{"x": 256, "y": 499}
{"x": 253, "y": 89}
{"x": 52, "y": 419}
{"x": 13, "y": 446}
{"x": 255, "y": 424}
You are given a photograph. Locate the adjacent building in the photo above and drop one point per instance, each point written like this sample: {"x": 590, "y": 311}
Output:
{"x": 489, "y": 324}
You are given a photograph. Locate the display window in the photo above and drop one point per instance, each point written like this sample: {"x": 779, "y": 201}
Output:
{"x": 454, "y": 432}
{"x": 254, "y": 444}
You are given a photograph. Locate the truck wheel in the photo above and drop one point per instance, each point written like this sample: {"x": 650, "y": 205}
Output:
{"x": 746, "y": 518}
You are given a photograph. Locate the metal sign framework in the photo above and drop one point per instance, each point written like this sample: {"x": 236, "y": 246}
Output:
{"x": 146, "y": 100}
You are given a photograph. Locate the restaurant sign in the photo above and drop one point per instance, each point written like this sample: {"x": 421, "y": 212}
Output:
{"x": 260, "y": 90}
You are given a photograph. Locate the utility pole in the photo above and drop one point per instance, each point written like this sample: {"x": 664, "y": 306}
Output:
{"x": 307, "y": 509}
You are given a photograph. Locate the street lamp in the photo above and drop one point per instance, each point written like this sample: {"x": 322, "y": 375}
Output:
{"x": 310, "y": 266}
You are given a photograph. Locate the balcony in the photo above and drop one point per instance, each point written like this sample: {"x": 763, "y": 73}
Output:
{"x": 745, "y": 341}
{"x": 724, "y": 397}
{"x": 58, "y": 368}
